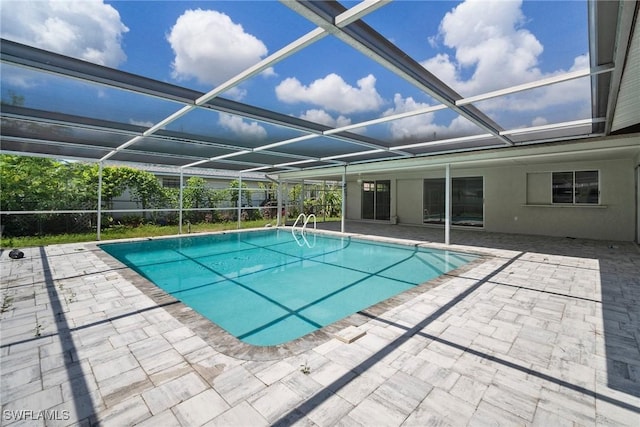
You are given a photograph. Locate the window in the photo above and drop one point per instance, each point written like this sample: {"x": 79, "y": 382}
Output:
{"x": 376, "y": 200}
{"x": 467, "y": 201}
{"x": 433, "y": 201}
{"x": 170, "y": 182}
{"x": 577, "y": 187}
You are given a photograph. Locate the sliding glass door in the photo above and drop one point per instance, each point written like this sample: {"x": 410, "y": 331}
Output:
{"x": 467, "y": 201}
{"x": 376, "y": 200}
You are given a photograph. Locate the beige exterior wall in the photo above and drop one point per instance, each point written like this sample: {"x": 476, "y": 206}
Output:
{"x": 506, "y": 194}
{"x": 354, "y": 200}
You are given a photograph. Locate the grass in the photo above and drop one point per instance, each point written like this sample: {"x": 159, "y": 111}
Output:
{"x": 122, "y": 232}
{"x": 146, "y": 230}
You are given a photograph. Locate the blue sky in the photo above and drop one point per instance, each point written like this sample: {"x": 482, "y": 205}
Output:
{"x": 475, "y": 46}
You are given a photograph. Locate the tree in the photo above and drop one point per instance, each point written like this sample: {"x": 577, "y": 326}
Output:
{"x": 332, "y": 200}
{"x": 144, "y": 186}
{"x": 40, "y": 184}
{"x": 14, "y": 99}
{"x": 233, "y": 191}
{"x": 195, "y": 196}
{"x": 37, "y": 184}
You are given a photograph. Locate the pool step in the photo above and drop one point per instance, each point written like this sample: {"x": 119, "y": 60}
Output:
{"x": 350, "y": 334}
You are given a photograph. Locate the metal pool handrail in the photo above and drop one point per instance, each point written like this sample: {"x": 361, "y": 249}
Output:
{"x": 303, "y": 216}
{"x": 304, "y": 241}
{"x": 305, "y": 221}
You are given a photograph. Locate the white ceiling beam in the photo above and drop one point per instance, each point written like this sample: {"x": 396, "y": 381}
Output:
{"x": 286, "y": 142}
{"x": 298, "y": 162}
{"x": 166, "y": 121}
{"x": 553, "y": 126}
{"x": 358, "y": 11}
{"x": 259, "y": 168}
{"x": 121, "y": 147}
{"x": 359, "y": 153}
{"x": 302, "y": 42}
{"x": 447, "y": 141}
{"x": 536, "y": 84}
{"x": 416, "y": 112}
{"x": 215, "y": 158}
{"x": 394, "y": 66}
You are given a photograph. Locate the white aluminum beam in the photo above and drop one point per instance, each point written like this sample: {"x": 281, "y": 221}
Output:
{"x": 99, "y": 217}
{"x": 447, "y": 204}
{"x": 358, "y": 11}
{"x": 553, "y": 126}
{"x": 536, "y": 84}
{"x": 288, "y": 50}
{"x": 447, "y": 141}
{"x": 302, "y": 42}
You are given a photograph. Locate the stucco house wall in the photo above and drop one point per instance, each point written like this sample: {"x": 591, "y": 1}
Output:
{"x": 514, "y": 202}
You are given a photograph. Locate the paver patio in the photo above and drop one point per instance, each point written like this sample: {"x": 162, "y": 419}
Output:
{"x": 543, "y": 331}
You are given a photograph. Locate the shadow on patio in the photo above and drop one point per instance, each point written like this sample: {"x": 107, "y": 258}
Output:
{"x": 613, "y": 298}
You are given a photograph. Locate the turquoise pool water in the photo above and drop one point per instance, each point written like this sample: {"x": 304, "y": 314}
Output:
{"x": 270, "y": 287}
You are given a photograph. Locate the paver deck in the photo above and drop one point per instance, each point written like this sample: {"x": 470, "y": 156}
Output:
{"x": 542, "y": 332}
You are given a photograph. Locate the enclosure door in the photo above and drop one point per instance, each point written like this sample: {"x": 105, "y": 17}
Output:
{"x": 376, "y": 200}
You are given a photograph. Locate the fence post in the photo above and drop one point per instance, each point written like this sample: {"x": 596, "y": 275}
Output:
{"x": 279, "y": 204}
{"x": 99, "y": 219}
{"x": 344, "y": 198}
{"x": 447, "y": 205}
{"x": 180, "y": 202}
{"x": 239, "y": 199}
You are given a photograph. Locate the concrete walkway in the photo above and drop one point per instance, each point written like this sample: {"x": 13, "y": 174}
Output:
{"x": 543, "y": 331}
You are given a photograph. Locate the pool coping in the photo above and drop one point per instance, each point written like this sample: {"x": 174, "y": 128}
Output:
{"x": 227, "y": 344}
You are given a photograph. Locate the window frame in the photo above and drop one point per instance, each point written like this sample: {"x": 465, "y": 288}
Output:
{"x": 375, "y": 188}
{"x": 574, "y": 192}
{"x": 453, "y": 201}
{"x": 170, "y": 182}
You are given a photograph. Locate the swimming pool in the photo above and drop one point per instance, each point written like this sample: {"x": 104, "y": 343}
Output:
{"x": 269, "y": 287}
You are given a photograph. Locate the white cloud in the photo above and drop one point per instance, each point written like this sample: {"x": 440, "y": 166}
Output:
{"x": 88, "y": 30}
{"x": 332, "y": 93}
{"x": 411, "y": 126}
{"x": 22, "y": 78}
{"x": 575, "y": 92}
{"x": 569, "y": 91}
{"x": 269, "y": 72}
{"x": 488, "y": 38}
{"x": 146, "y": 124}
{"x": 236, "y": 93}
{"x": 539, "y": 121}
{"x": 423, "y": 126}
{"x": 324, "y": 118}
{"x": 212, "y": 48}
{"x": 238, "y": 126}
{"x": 495, "y": 50}
{"x": 492, "y": 50}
